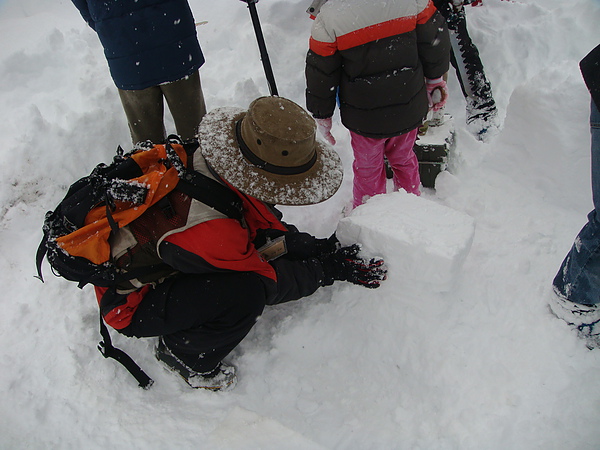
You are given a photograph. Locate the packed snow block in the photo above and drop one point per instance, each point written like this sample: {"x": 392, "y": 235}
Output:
{"x": 424, "y": 244}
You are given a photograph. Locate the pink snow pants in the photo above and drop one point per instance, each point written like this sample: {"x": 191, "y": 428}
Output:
{"x": 369, "y": 168}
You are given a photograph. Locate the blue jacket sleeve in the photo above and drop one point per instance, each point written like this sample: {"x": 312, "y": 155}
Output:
{"x": 84, "y": 10}
{"x": 590, "y": 69}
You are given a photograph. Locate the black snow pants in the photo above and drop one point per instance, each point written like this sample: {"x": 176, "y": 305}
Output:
{"x": 465, "y": 58}
{"x": 203, "y": 317}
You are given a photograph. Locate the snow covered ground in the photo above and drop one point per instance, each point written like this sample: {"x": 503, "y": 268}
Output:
{"x": 482, "y": 365}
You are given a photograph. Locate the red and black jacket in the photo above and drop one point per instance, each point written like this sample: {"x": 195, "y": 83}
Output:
{"x": 215, "y": 245}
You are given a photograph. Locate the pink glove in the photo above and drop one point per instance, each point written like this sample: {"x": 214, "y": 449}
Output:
{"x": 324, "y": 127}
{"x": 437, "y": 93}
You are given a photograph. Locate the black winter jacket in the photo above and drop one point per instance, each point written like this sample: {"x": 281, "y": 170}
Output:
{"x": 374, "y": 58}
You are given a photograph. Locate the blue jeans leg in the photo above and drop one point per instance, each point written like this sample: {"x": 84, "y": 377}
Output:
{"x": 595, "y": 131}
{"x": 578, "y": 279}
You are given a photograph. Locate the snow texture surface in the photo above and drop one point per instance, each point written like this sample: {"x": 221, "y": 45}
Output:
{"x": 481, "y": 364}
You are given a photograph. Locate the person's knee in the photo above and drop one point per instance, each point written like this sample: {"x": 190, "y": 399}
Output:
{"x": 253, "y": 296}
{"x": 242, "y": 299}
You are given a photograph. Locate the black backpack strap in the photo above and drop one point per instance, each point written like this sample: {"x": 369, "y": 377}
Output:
{"x": 39, "y": 256}
{"x": 109, "y": 351}
{"x": 211, "y": 193}
{"x": 201, "y": 187}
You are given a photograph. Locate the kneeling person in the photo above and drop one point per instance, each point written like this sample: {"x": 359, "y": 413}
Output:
{"x": 228, "y": 269}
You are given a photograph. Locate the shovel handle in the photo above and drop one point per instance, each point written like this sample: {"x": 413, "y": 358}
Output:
{"x": 264, "y": 56}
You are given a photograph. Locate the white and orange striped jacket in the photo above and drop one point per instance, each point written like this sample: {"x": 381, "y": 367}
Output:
{"x": 373, "y": 57}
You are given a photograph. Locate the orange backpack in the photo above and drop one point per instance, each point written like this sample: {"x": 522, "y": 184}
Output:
{"x": 77, "y": 233}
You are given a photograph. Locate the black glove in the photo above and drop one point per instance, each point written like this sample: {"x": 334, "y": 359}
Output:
{"x": 299, "y": 245}
{"x": 346, "y": 265}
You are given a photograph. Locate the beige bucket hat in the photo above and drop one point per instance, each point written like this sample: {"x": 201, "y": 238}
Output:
{"x": 270, "y": 152}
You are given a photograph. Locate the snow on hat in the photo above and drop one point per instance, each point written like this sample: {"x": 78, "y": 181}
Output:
{"x": 270, "y": 152}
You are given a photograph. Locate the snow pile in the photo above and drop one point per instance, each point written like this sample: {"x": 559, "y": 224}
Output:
{"x": 480, "y": 364}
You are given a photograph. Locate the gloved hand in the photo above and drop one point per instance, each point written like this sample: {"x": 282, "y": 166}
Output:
{"x": 305, "y": 246}
{"x": 346, "y": 265}
{"x": 327, "y": 246}
{"x": 435, "y": 86}
{"x": 324, "y": 127}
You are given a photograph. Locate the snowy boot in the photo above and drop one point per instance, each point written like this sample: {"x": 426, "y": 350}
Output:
{"x": 222, "y": 378}
{"x": 583, "y": 318}
{"x": 482, "y": 118}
